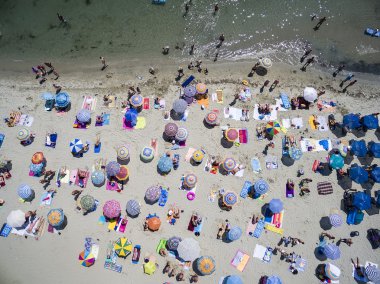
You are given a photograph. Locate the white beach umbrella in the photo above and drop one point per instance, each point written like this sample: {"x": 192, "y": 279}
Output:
{"x": 310, "y": 94}
{"x": 16, "y": 218}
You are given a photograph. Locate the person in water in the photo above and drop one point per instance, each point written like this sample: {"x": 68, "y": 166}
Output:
{"x": 340, "y": 68}
{"x": 307, "y": 52}
{"x": 216, "y": 8}
{"x": 61, "y": 19}
{"x": 320, "y": 22}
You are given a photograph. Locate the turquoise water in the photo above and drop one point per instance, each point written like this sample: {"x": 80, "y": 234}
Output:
{"x": 137, "y": 29}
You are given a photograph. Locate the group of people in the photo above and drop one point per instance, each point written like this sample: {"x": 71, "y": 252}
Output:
{"x": 42, "y": 72}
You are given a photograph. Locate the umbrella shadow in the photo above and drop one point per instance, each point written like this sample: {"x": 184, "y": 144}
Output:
{"x": 175, "y": 115}
{"x": 225, "y": 143}
{"x": 261, "y": 71}
{"x": 167, "y": 138}
{"x": 368, "y": 185}
{"x": 338, "y": 132}
{"x": 147, "y": 201}
{"x": 123, "y": 162}
{"x": 222, "y": 206}
{"x": 320, "y": 256}
{"x": 348, "y": 159}
{"x": 325, "y": 223}
{"x": 377, "y": 133}
{"x": 287, "y": 161}
{"x": 326, "y": 171}
{"x": 208, "y": 126}
{"x": 367, "y": 160}
{"x": 358, "y": 133}
{"x": 265, "y": 211}
{"x": 63, "y": 226}
{"x": 344, "y": 182}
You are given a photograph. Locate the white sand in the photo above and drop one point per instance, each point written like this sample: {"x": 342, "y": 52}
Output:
{"x": 54, "y": 258}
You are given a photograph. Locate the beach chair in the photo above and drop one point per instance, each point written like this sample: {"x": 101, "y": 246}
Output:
{"x": 285, "y": 101}
{"x": 246, "y": 189}
{"x": 188, "y": 81}
{"x": 285, "y": 146}
{"x": 163, "y": 197}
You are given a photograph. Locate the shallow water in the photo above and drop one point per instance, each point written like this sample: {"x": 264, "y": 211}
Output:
{"x": 137, "y": 29}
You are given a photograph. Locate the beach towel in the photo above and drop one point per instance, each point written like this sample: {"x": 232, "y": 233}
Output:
{"x": 127, "y": 125}
{"x": 297, "y": 122}
{"x": 259, "y": 251}
{"x": 141, "y": 123}
{"x": 109, "y": 186}
{"x": 187, "y": 81}
{"x": 219, "y": 96}
{"x": 89, "y": 103}
{"x": 324, "y": 188}
{"x": 185, "y": 115}
{"x": 73, "y": 176}
{"x": 2, "y": 137}
{"x": 246, "y": 188}
{"x": 274, "y": 229}
{"x": 271, "y": 162}
{"x": 204, "y": 102}
{"x": 5, "y": 230}
{"x": 161, "y": 245}
{"x": 51, "y": 140}
{"x": 97, "y": 148}
{"x": 84, "y": 181}
{"x": 289, "y": 192}
{"x": 146, "y": 103}
{"x": 78, "y": 125}
{"x": 121, "y": 224}
{"x": 311, "y": 122}
{"x": 102, "y": 220}
{"x": 106, "y": 118}
{"x": 198, "y": 229}
{"x": 243, "y": 135}
{"x": 268, "y": 255}
{"x": 259, "y": 228}
{"x": 277, "y": 219}
{"x": 189, "y": 154}
{"x": 190, "y": 227}
{"x": 322, "y": 120}
{"x": 250, "y": 229}
{"x": 233, "y": 113}
{"x": 265, "y": 117}
{"x": 108, "y": 264}
{"x": 285, "y": 100}
{"x": 25, "y": 120}
{"x": 286, "y": 122}
{"x": 46, "y": 199}
{"x": 312, "y": 145}
{"x": 163, "y": 197}
{"x": 255, "y": 164}
{"x": 240, "y": 260}
{"x": 301, "y": 264}
{"x": 326, "y": 106}
{"x": 112, "y": 102}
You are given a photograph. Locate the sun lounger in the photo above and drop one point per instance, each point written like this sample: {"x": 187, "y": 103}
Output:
{"x": 2, "y": 136}
{"x": 255, "y": 164}
{"x": 5, "y": 230}
{"x": 161, "y": 245}
{"x": 243, "y": 135}
{"x": 163, "y": 197}
{"x": 285, "y": 100}
{"x": 240, "y": 260}
{"x": 259, "y": 228}
{"x": 188, "y": 81}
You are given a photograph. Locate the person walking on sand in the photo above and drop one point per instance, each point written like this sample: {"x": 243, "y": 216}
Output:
{"x": 103, "y": 61}
{"x": 192, "y": 48}
{"x": 216, "y": 8}
{"x": 306, "y": 54}
{"x": 61, "y": 19}
{"x": 348, "y": 78}
{"x": 349, "y": 85}
{"x": 216, "y": 57}
{"x": 320, "y": 22}
{"x": 348, "y": 241}
{"x": 308, "y": 62}
{"x": 340, "y": 68}
{"x": 180, "y": 72}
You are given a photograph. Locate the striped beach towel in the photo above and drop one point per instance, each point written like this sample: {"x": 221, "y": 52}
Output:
{"x": 324, "y": 188}
{"x": 285, "y": 100}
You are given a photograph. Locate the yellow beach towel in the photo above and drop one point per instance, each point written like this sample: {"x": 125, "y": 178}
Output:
{"x": 311, "y": 122}
{"x": 273, "y": 229}
{"x": 141, "y": 123}
{"x": 219, "y": 96}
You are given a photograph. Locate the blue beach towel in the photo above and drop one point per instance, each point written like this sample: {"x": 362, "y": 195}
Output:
{"x": 2, "y": 136}
{"x": 198, "y": 228}
{"x": 188, "y": 81}
{"x": 97, "y": 148}
{"x": 163, "y": 197}
{"x": 351, "y": 217}
{"x": 106, "y": 119}
{"x": 259, "y": 228}
{"x": 245, "y": 190}
{"x": 285, "y": 100}
{"x": 255, "y": 164}
{"x": 285, "y": 152}
{"x": 324, "y": 144}
{"x": 5, "y": 230}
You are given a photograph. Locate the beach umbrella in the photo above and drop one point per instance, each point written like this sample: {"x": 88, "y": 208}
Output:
{"x": 38, "y": 158}
{"x": 198, "y": 156}
{"x": 122, "y": 153}
{"x": 189, "y": 249}
{"x": 343, "y": 150}
{"x": 62, "y": 100}
{"x": 190, "y": 91}
{"x": 86, "y": 258}
{"x": 16, "y": 218}
{"x": 261, "y": 186}
{"x": 179, "y": 106}
{"x": 274, "y": 280}
{"x": 358, "y": 174}
{"x": 374, "y": 148}
{"x": 361, "y": 201}
{"x": 98, "y": 177}
{"x": 171, "y": 129}
{"x": 229, "y": 164}
{"x": 310, "y": 94}
{"x": 336, "y": 220}
{"x": 111, "y": 209}
{"x": 182, "y": 134}
{"x": 149, "y": 267}
{"x": 47, "y": 96}
{"x": 201, "y": 88}
{"x": 273, "y": 128}
{"x": 87, "y": 202}
{"x": 165, "y": 164}
{"x": 332, "y": 251}
{"x": 84, "y": 116}
{"x": 234, "y": 233}
{"x": 133, "y": 208}
{"x": 358, "y": 148}
{"x": 25, "y": 191}
{"x": 211, "y": 118}
{"x": 276, "y": 205}
{"x": 351, "y": 121}
{"x": 131, "y": 116}
{"x": 76, "y": 146}
{"x": 147, "y": 154}
{"x": 232, "y": 279}
{"x": 230, "y": 198}
{"x": 373, "y": 273}
{"x": 153, "y": 193}
{"x": 154, "y": 223}
{"x": 173, "y": 242}
{"x": 23, "y": 134}
{"x": 295, "y": 153}
{"x": 136, "y": 100}
{"x": 123, "y": 173}
{"x": 375, "y": 174}
{"x": 332, "y": 272}
{"x": 231, "y": 134}
{"x": 205, "y": 265}
{"x": 122, "y": 247}
{"x": 56, "y": 217}
{"x": 112, "y": 168}
{"x": 36, "y": 168}
{"x": 336, "y": 162}
{"x": 370, "y": 121}
{"x": 190, "y": 180}
{"x": 266, "y": 62}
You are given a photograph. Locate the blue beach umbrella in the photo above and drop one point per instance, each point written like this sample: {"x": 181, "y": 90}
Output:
{"x": 336, "y": 161}
{"x": 362, "y": 201}
{"x": 56, "y": 217}
{"x": 25, "y": 191}
{"x": 232, "y": 279}
{"x": 62, "y": 100}
{"x": 133, "y": 208}
{"x": 131, "y": 117}
{"x": 136, "y": 100}
{"x": 358, "y": 148}
{"x": 165, "y": 164}
{"x": 374, "y": 148}
{"x": 76, "y": 146}
{"x": 261, "y": 186}
{"x": 36, "y": 168}
{"x": 84, "y": 116}
{"x": 351, "y": 121}
{"x": 274, "y": 280}
{"x": 332, "y": 251}
{"x": 190, "y": 91}
{"x": 98, "y": 178}
{"x": 336, "y": 220}
{"x": 112, "y": 168}
{"x": 230, "y": 198}
{"x": 358, "y": 174}
{"x": 276, "y": 205}
{"x": 234, "y": 234}
{"x": 295, "y": 153}
{"x": 180, "y": 106}
{"x": 370, "y": 121}
{"x": 375, "y": 174}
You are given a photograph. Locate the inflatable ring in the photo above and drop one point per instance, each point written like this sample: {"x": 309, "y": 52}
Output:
{"x": 245, "y": 82}
{"x": 190, "y": 195}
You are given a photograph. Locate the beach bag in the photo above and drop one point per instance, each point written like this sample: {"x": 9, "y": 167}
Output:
{"x": 374, "y": 237}
{"x": 359, "y": 217}
{"x": 324, "y": 188}
{"x": 263, "y": 280}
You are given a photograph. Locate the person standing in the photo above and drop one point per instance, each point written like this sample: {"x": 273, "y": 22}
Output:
{"x": 340, "y": 68}
{"x": 103, "y": 61}
{"x": 216, "y": 8}
{"x": 320, "y": 22}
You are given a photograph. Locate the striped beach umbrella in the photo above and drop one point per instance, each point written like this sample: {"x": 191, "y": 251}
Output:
{"x": 229, "y": 164}
{"x": 136, "y": 100}
{"x": 295, "y": 153}
{"x": 375, "y": 174}
{"x": 98, "y": 178}
{"x": 190, "y": 91}
{"x": 16, "y": 218}
{"x": 111, "y": 209}
{"x": 231, "y": 134}
{"x": 112, "y": 168}
{"x": 147, "y": 154}
{"x": 84, "y": 116}
{"x": 38, "y": 158}
{"x": 336, "y": 220}
{"x": 62, "y": 100}
{"x": 189, "y": 249}
{"x": 234, "y": 233}
{"x": 123, "y": 173}
{"x": 205, "y": 265}
{"x": 276, "y": 205}
{"x": 36, "y": 168}
{"x": 332, "y": 251}
{"x": 122, "y": 153}
{"x": 336, "y": 162}
{"x": 182, "y": 134}
{"x": 152, "y": 194}
{"x": 133, "y": 208}
{"x": 201, "y": 88}
{"x": 123, "y": 247}
{"x": 76, "y": 146}
{"x": 87, "y": 202}
{"x": 261, "y": 186}
{"x": 171, "y": 129}
{"x": 190, "y": 180}
{"x": 332, "y": 271}
{"x": 273, "y": 128}
{"x": 56, "y": 217}
{"x": 23, "y": 134}
{"x": 154, "y": 223}
{"x": 165, "y": 164}
{"x": 198, "y": 156}
{"x": 179, "y": 106}
{"x": 266, "y": 62}
{"x": 86, "y": 258}
{"x": 25, "y": 191}
{"x": 173, "y": 242}
{"x": 230, "y": 198}
{"x": 373, "y": 273}
{"x": 211, "y": 118}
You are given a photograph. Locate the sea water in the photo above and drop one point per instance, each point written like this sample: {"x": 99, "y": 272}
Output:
{"x": 138, "y": 29}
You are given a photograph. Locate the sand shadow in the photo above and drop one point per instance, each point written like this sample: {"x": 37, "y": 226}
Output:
{"x": 348, "y": 159}
{"x": 325, "y": 223}
{"x": 359, "y": 133}
{"x": 320, "y": 256}
{"x": 261, "y": 71}
{"x": 287, "y": 161}
{"x": 338, "y": 132}
{"x": 176, "y": 116}
{"x": 377, "y": 133}
{"x": 123, "y": 162}
{"x": 208, "y": 126}
{"x": 225, "y": 143}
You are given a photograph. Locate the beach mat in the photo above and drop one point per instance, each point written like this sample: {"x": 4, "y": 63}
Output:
{"x": 240, "y": 260}
{"x": 204, "y": 102}
{"x": 243, "y": 135}
{"x": 146, "y": 104}
{"x": 188, "y": 81}
{"x": 89, "y": 103}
